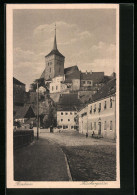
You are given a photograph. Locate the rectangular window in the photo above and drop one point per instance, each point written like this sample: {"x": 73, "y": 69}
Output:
{"x": 105, "y": 105}
{"x": 66, "y": 127}
{"x": 50, "y": 69}
{"x": 71, "y": 127}
{"x": 56, "y": 87}
{"x": 70, "y": 113}
{"x": 88, "y": 82}
{"x": 75, "y": 113}
{"x": 99, "y": 108}
{"x": 110, "y": 103}
{"x": 94, "y": 125}
{"x": 111, "y": 125}
{"x": 91, "y": 110}
{"x": 83, "y": 82}
{"x": 66, "y": 113}
{"x": 68, "y": 119}
{"x": 52, "y": 88}
{"x": 94, "y": 108}
{"x": 105, "y": 125}
{"x": 61, "y": 119}
{"x": 61, "y": 113}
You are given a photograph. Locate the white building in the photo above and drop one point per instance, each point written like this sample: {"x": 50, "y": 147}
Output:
{"x": 66, "y": 119}
{"x": 99, "y": 116}
{"x": 67, "y": 111}
{"x": 57, "y": 85}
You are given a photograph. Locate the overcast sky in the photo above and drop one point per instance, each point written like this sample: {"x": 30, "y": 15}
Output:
{"x": 86, "y": 38}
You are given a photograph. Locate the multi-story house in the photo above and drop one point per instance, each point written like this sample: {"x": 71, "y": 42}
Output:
{"x": 67, "y": 111}
{"x": 100, "y": 114}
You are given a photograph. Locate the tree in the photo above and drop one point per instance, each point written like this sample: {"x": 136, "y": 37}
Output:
{"x": 41, "y": 82}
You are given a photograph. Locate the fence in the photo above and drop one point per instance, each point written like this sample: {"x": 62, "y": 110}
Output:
{"x": 22, "y": 137}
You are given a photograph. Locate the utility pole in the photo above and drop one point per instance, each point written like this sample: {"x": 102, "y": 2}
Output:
{"x": 37, "y": 112}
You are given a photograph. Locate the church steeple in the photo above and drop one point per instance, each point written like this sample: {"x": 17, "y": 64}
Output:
{"x": 55, "y": 43}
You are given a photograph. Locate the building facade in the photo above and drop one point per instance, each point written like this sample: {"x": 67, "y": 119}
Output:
{"x": 99, "y": 116}
{"x": 67, "y": 111}
{"x": 66, "y": 120}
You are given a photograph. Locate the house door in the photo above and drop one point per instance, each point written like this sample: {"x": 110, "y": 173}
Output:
{"x": 99, "y": 128}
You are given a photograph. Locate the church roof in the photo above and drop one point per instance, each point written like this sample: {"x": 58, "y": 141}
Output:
{"x": 56, "y": 52}
{"x": 70, "y": 69}
{"x": 43, "y": 74}
{"x": 55, "y": 49}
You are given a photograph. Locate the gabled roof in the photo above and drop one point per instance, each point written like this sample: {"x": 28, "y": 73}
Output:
{"x": 95, "y": 76}
{"x": 24, "y": 112}
{"x": 73, "y": 75}
{"x": 17, "y": 82}
{"x": 68, "y": 102}
{"x": 108, "y": 89}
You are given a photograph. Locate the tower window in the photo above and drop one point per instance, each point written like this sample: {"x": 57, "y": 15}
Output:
{"x": 50, "y": 69}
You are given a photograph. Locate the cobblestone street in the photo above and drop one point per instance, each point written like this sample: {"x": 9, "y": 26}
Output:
{"x": 87, "y": 159}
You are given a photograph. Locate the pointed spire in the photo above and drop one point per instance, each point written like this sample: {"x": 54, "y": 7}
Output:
{"x": 55, "y": 43}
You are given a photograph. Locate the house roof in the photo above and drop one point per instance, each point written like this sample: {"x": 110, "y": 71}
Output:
{"x": 71, "y": 73}
{"x": 22, "y": 112}
{"x": 108, "y": 89}
{"x": 68, "y": 102}
{"x": 17, "y": 82}
{"x": 95, "y": 76}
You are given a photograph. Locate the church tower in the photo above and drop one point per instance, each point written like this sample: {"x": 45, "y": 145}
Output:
{"x": 54, "y": 62}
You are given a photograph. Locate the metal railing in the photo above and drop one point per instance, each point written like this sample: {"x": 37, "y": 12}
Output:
{"x": 22, "y": 137}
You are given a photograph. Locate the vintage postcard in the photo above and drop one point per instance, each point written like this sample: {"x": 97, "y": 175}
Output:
{"x": 62, "y": 70}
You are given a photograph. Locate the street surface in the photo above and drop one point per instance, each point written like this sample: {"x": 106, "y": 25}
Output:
{"x": 66, "y": 155}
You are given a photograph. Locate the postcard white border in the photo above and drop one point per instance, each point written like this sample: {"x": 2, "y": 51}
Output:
{"x": 10, "y": 183}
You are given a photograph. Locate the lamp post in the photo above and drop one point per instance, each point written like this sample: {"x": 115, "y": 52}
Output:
{"x": 37, "y": 112}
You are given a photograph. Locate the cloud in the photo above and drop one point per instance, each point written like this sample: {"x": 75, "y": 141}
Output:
{"x": 76, "y": 44}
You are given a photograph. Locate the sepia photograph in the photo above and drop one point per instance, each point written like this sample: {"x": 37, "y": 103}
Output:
{"x": 62, "y": 68}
